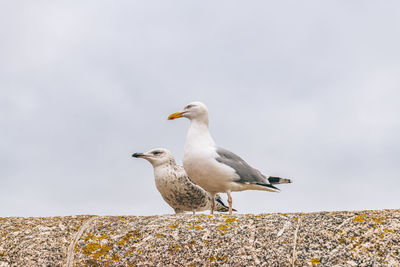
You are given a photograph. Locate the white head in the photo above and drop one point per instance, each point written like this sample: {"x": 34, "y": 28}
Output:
{"x": 193, "y": 111}
{"x": 157, "y": 157}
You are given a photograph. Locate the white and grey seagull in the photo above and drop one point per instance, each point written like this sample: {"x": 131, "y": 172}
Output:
{"x": 175, "y": 186}
{"x": 216, "y": 169}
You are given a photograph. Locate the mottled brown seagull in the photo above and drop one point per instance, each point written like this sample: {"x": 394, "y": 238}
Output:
{"x": 175, "y": 186}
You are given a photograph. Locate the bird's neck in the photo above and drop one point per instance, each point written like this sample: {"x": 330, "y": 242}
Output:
{"x": 198, "y": 135}
{"x": 170, "y": 163}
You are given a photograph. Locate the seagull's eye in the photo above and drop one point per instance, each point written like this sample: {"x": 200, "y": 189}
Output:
{"x": 188, "y": 106}
{"x": 155, "y": 153}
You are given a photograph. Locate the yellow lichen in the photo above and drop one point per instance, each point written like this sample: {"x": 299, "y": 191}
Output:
{"x": 218, "y": 258}
{"x": 131, "y": 235}
{"x": 315, "y": 261}
{"x": 89, "y": 236}
{"x": 360, "y": 218}
{"x": 90, "y": 248}
{"x": 230, "y": 220}
{"x": 377, "y": 219}
{"x": 115, "y": 258}
{"x": 172, "y": 249}
{"x": 130, "y": 251}
{"x": 196, "y": 227}
{"x": 103, "y": 237}
{"x": 102, "y": 252}
{"x": 223, "y": 227}
{"x": 173, "y": 226}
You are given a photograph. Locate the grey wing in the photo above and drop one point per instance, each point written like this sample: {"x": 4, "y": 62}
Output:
{"x": 247, "y": 174}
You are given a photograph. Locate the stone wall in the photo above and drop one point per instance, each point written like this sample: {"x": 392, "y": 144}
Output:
{"x": 362, "y": 238}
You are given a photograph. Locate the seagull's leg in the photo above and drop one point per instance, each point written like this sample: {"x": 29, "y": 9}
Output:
{"x": 229, "y": 202}
{"x": 212, "y": 195}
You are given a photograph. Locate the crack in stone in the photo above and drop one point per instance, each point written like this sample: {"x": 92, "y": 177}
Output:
{"x": 82, "y": 229}
{"x": 294, "y": 242}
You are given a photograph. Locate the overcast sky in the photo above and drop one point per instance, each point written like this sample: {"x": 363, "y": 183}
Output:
{"x": 308, "y": 90}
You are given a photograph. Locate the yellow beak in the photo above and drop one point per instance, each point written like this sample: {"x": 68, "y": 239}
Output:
{"x": 175, "y": 115}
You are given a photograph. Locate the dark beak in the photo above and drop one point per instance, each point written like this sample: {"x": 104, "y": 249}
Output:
{"x": 138, "y": 155}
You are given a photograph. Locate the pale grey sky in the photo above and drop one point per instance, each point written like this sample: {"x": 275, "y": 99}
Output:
{"x": 307, "y": 90}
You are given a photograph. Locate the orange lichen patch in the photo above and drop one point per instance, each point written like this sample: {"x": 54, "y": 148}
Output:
{"x": 218, "y": 258}
{"x": 102, "y": 252}
{"x": 377, "y": 219}
{"x": 130, "y": 251}
{"x": 103, "y": 237}
{"x": 191, "y": 244}
{"x": 231, "y": 220}
{"x": 160, "y": 236}
{"x": 196, "y": 227}
{"x": 130, "y": 236}
{"x": 89, "y": 236}
{"x": 223, "y": 227}
{"x": 115, "y": 258}
{"x": 90, "y": 248}
{"x": 173, "y": 226}
{"x": 360, "y": 218}
{"x": 172, "y": 249}
{"x": 315, "y": 261}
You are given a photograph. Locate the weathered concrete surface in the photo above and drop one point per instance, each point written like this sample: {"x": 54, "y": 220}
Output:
{"x": 326, "y": 239}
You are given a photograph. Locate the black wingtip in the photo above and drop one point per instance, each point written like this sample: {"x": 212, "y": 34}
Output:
{"x": 278, "y": 180}
{"x": 269, "y": 186}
